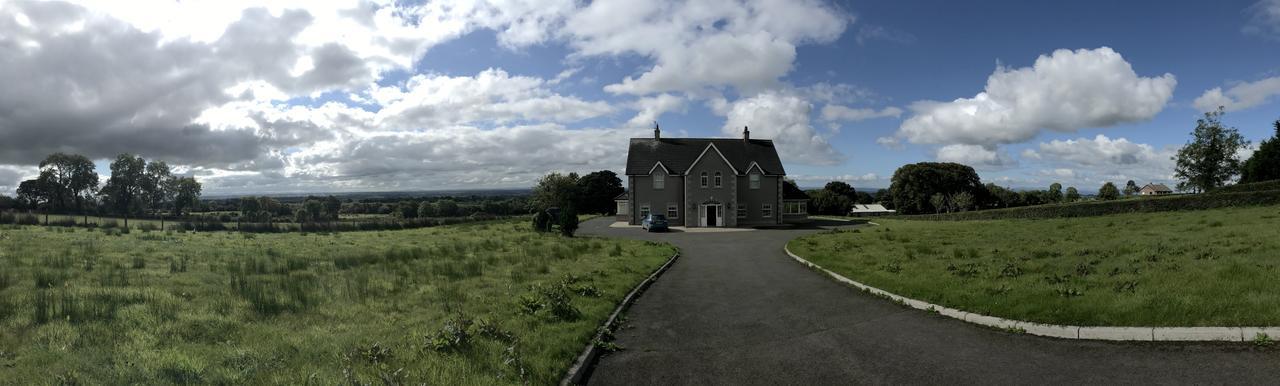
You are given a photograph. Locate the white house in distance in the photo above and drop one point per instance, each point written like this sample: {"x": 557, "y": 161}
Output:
{"x": 859, "y": 210}
{"x": 1155, "y": 190}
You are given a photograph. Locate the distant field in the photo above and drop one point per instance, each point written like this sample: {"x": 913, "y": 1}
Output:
{"x": 484, "y": 303}
{"x": 1214, "y": 267}
{"x": 1260, "y": 194}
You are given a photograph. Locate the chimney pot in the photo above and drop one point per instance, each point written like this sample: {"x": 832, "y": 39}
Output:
{"x": 746, "y": 133}
{"x": 657, "y": 132}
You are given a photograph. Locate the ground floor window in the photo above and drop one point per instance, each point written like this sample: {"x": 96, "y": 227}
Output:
{"x": 622, "y": 207}
{"x": 766, "y": 210}
{"x": 673, "y": 211}
{"x": 644, "y": 211}
{"x": 794, "y": 207}
{"x": 742, "y": 211}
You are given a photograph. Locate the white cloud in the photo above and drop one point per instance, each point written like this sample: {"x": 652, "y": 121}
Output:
{"x": 833, "y": 113}
{"x": 650, "y": 108}
{"x": 1101, "y": 159}
{"x": 890, "y": 143}
{"x": 784, "y": 118}
{"x": 700, "y": 44}
{"x": 978, "y": 156}
{"x": 868, "y": 33}
{"x": 1065, "y": 91}
{"x": 427, "y": 101}
{"x": 1240, "y": 96}
{"x": 1265, "y": 19}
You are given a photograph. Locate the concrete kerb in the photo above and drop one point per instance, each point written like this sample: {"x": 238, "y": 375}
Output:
{"x": 582, "y": 366}
{"x": 1182, "y": 334}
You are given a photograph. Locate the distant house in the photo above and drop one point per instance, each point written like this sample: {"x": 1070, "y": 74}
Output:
{"x": 867, "y": 210}
{"x": 708, "y": 182}
{"x": 1155, "y": 190}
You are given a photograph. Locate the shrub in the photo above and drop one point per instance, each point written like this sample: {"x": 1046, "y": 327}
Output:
{"x": 27, "y": 219}
{"x": 1102, "y": 208}
{"x": 7, "y": 217}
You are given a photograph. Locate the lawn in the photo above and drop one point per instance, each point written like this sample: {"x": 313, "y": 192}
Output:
{"x": 1192, "y": 268}
{"x": 481, "y": 303}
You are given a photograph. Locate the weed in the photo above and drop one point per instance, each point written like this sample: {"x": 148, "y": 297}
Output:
{"x": 1262, "y": 340}
{"x": 454, "y": 336}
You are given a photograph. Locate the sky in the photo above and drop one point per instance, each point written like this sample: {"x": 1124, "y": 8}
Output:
{"x": 335, "y": 96}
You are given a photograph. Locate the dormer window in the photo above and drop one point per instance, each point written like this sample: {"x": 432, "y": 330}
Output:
{"x": 718, "y": 179}
{"x": 659, "y": 181}
{"x": 704, "y": 179}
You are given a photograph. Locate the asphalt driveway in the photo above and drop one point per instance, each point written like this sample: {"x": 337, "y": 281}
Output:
{"x": 734, "y": 309}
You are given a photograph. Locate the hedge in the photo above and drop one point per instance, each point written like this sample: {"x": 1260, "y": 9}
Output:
{"x": 1254, "y": 187}
{"x": 1214, "y": 200}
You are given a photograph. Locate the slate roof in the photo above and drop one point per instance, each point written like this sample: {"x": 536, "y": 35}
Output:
{"x": 1157, "y": 188}
{"x": 678, "y": 154}
{"x": 791, "y": 192}
{"x": 622, "y": 196}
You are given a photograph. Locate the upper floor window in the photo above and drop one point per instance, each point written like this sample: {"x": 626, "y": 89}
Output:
{"x": 718, "y": 179}
{"x": 659, "y": 180}
{"x": 704, "y": 179}
{"x": 754, "y": 181}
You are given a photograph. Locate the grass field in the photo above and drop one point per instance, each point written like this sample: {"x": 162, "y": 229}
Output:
{"x": 479, "y": 303}
{"x": 1192, "y": 268}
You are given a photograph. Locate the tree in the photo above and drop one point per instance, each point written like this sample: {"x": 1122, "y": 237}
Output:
{"x": 315, "y": 209}
{"x": 597, "y": 190}
{"x": 426, "y": 209}
{"x": 407, "y": 209}
{"x": 884, "y": 198}
{"x": 332, "y": 208}
{"x": 826, "y": 202}
{"x": 568, "y": 221}
{"x": 250, "y": 208}
{"x": 1108, "y": 192}
{"x": 1131, "y": 188}
{"x": 914, "y": 185}
{"x": 1001, "y": 197}
{"x": 556, "y": 190}
{"x": 542, "y": 221}
{"x": 1209, "y": 160}
{"x": 158, "y": 187}
{"x": 69, "y": 178}
{"x": 186, "y": 195}
{"x": 33, "y": 193}
{"x": 1073, "y": 195}
{"x": 841, "y": 188}
{"x": 962, "y": 201}
{"x": 1055, "y": 193}
{"x": 124, "y": 190}
{"x": 7, "y": 202}
{"x": 447, "y": 208}
{"x": 939, "y": 202}
{"x": 1264, "y": 165}
{"x": 268, "y": 209}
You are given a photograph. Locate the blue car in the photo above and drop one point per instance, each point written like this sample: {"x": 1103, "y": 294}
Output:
{"x": 654, "y": 223}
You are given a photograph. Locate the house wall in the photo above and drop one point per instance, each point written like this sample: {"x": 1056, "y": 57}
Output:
{"x": 645, "y": 194}
{"x": 695, "y": 195}
{"x": 769, "y": 192}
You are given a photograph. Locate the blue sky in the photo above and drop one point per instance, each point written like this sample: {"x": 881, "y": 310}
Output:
{"x": 299, "y": 97}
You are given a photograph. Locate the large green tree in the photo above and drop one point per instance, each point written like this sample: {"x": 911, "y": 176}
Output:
{"x": 69, "y": 179}
{"x": 1264, "y": 165}
{"x": 1072, "y": 195}
{"x": 186, "y": 195}
{"x": 914, "y": 184}
{"x": 827, "y": 202}
{"x": 597, "y": 190}
{"x": 555, "y": 190}
{"x": 124, "y": 191}
{"x": 1108, "y": 191}
{"x": 1131, "y": 188}
{"x": 1209, "y": 160}
{"x": 1054, "y": 195}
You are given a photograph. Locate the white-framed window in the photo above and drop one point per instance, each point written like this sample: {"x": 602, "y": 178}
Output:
{"x": 754, "y": 181}
{"x": 622, "y": 207}
{"x": 644, "y": 211}
{"x": 766, "y": 210}
{"x": 794, "y": 207}
{"x": 704, "y": 179}
{"x": 718, "y": 179}
{"x": 659, "y": 181}
{"x": 742, "y": 211}
{"x": 673, "y": 211}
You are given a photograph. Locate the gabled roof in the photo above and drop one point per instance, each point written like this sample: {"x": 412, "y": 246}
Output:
{"x": 1157, "y": 188}
{"x": 678, "y": 154}
{"x": 791, "y": 192}
{"x": 869, "y": 208}
{"x": 622, "y": 196}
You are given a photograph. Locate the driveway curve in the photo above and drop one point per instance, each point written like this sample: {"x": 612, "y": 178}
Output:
{"x": 734, "y": 309}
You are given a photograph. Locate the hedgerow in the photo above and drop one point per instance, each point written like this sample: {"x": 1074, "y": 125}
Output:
{"x": 1221, "y": 199}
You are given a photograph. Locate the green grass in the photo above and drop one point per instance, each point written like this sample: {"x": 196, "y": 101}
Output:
{"x": 1196, "y": 268}
{"x": 481, "y": 303}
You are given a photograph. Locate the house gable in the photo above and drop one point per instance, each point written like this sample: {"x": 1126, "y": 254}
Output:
{"x": 712, "y": 146}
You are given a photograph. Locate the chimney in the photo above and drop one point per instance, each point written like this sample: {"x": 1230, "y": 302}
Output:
{"x": 657, "y": 132}
{"x": 746, "y": 134}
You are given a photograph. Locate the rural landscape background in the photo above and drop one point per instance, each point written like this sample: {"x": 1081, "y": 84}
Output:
{"x": 416, "y": 193}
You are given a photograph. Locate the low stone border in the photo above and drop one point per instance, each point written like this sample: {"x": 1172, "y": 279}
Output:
{"x": 1182, "y": 334}
{"x": 583, "y": 365}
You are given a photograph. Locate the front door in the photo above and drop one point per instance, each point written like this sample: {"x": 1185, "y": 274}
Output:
{"x": 711, "y": 215}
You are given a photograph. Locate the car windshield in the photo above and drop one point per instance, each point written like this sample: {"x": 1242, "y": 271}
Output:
{"x": 658, "y": 217}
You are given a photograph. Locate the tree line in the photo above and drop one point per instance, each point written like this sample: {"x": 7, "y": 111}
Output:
{"x": 69, "y": 183}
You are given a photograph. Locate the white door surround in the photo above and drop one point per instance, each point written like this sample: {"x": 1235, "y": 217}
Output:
{"x": 711, "y": 215}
